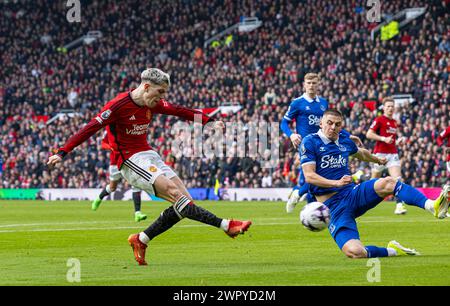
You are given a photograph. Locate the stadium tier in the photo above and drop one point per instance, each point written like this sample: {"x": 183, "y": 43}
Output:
{"x": 261, "y": 71}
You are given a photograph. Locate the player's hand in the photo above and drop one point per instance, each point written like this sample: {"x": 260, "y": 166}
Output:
{"x": 388, "y": 140}
{"x": 382, "y": 160}
{"x": 296, "y": 139}
{"x": 345, "y": 180}
{"x": 53, "y": 160}
{"x": 357, "y": 141}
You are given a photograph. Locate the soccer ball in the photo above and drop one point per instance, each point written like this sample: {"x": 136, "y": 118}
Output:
{"x": 315, "y": 216}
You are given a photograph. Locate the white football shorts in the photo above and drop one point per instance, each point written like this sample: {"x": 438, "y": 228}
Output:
{"x": 392, "y": 161}
{"x": 142, "y": 169}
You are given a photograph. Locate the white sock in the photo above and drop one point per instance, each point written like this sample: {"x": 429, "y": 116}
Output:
{"x": 391, "y": 252}
{"x": 225, "y": 224}
{"x": 143, "y": 238}
{"x": 429, "y": 205}
{"x": 108, "y": 189}
{"x": 137, "y": 212}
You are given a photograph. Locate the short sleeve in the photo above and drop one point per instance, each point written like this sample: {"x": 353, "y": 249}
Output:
{"x": 375, "y": 125}
{"x": 292, "y": 111}
{"x": 307, "y": 151}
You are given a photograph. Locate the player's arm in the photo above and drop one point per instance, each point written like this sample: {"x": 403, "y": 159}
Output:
{"x": 364, "y": 155}
{"x": 372, "y": 134}
{"x": 311, "y": 177}
{"x": 102, "y": 120}
{"x": 166, "y": 108}
{"x": 287, "y": 119}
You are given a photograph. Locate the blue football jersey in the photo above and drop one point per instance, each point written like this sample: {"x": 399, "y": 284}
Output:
{"x": 307, "y": 114}
{"x": 330, "y": 158}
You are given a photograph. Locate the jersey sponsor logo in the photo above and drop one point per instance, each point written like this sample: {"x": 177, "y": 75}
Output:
{"x": 332, "y": 162}
{"x": 138, "y": 129}
{"x": 105, "y": 115}
{"x": 391, "y": 130}
{"x": 314, "y": 120}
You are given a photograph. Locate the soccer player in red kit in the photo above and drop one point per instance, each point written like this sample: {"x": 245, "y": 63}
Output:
{"x": 384, "y": 131}
{"x": 114, "y": 178}
{"x": 128, "y": 117}
{"x": 445, "y": 136}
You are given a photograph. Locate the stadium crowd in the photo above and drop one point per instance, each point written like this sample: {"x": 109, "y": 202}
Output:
{"x": 262, "y": 71}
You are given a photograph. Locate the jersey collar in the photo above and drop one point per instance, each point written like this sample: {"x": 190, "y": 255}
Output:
{"x": 307, "y": 98}
{"x": 325, "y": 139}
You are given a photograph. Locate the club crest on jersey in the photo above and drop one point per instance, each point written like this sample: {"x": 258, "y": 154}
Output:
{"x": 105, "y": 115}
{"x": 342, "y": 148}
{"x": 322, "y": 108}
{"x": 302, "y": 149}
{"x": 153, "y": 169}
{"x": 149, "y": 114}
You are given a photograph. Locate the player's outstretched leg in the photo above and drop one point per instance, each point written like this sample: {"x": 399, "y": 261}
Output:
{"x": 411, "y": 196}
{"x": 182, "y": 207}
{"x": 354, "y": 249}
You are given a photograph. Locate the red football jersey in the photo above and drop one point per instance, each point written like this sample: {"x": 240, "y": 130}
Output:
{"x": 128, "y": 125}
{"x": 385, "y": 127}
{"x": 444, "y": 136}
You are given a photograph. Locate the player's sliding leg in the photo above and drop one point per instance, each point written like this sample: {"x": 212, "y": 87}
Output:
{"x": 354, "y": 248}
{"x": 105, "y": 192}
{"x": 138, "y": 215}
{"x": 411, "y": 196}
{"x": 400, "y": 209}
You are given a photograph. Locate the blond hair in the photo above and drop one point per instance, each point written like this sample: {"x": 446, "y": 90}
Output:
{"x": 155, "y": 76}
{"x": 312, "y": 75}
{"x": 388, "y": 99}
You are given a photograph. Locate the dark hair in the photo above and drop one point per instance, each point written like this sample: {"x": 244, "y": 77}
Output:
{"x": 333, "y": 112}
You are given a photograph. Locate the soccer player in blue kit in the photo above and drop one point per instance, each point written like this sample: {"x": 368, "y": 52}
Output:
{"x": 307, "y": 111}
{"x": 324, "y": 160}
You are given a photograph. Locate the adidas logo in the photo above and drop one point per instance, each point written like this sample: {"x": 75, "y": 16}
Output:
{"x": 132, "y": 118}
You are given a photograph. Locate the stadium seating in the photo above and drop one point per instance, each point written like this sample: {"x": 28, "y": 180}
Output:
{"x": 330, "y": 38}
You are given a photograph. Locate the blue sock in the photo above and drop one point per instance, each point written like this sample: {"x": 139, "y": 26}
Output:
{"x": 373, "y": 251}
{"x": 303, "y": 189}
{"x": 409, "y": 195}
{"x": 310, "y": 198}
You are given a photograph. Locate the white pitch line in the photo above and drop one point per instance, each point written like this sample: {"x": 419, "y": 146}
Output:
{"x": 182, "y": 226}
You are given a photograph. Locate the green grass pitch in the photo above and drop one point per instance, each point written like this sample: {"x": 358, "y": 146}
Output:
{"x": 38, "y": 238}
